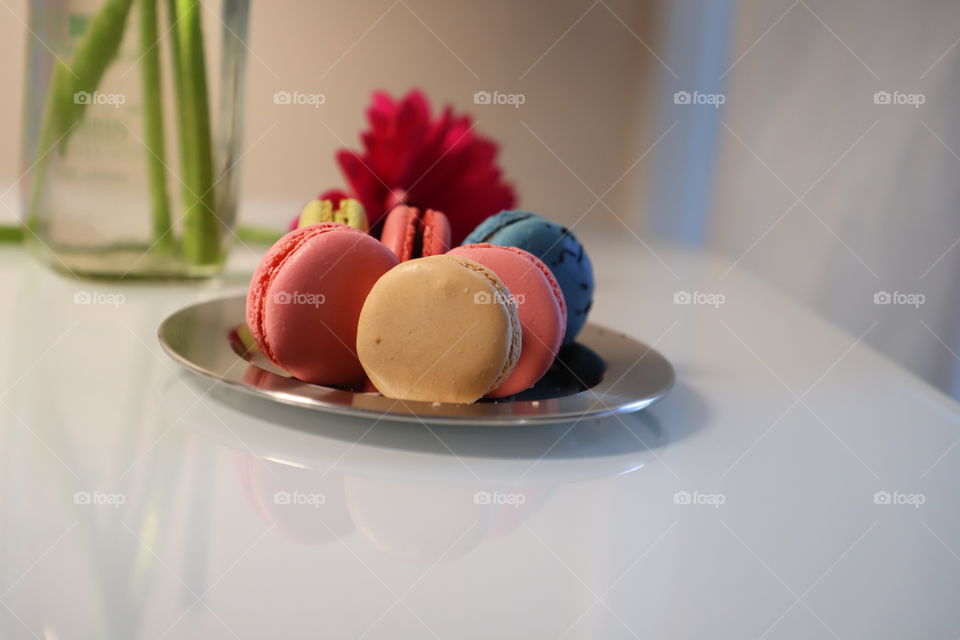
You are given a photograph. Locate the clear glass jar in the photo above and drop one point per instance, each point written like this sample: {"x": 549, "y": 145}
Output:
{"x": 133, "y": 121}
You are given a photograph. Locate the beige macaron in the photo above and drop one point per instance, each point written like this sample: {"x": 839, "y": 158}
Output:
{"x": 438, "y": 329}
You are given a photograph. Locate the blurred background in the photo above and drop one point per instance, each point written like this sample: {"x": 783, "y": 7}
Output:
{"x": 810, "y": 141}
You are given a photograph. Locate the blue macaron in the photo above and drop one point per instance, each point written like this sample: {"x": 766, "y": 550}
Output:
{"x": 559, "y": 250}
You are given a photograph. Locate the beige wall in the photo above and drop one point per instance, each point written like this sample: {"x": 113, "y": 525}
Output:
{"x": 834, "y": 198}
{"x": 583, "y": 98}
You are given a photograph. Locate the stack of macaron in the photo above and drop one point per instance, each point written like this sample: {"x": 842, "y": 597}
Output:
{"x": 410, "y": 316}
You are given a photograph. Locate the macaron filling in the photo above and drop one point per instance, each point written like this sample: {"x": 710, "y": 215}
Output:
{"x": 503, "y": 294}
{"x": 411, "y": 235}
{"x": 438, "y": 329}
{"x": 540, "y": 305}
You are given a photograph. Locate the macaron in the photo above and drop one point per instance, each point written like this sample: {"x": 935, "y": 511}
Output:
{"x": 540, "y": 304}
{"x": 559, "y": 250}
{"x": 421, "y": 522}
{"x": 246, "y": 338}
{"x": 306, "y": 505}
{"x": 305, "y": 299}
{"x": 346, "y": 211}
{"x": 439, "y": 329}
{"x": 410, "y": 234}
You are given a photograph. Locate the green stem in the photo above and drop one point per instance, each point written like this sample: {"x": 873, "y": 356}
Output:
{"x": 153, "y": 125}
{"x": 58, "y": 103}
{"x": 201, "y": 232}
{"x": 180, "y": 97}
{"x": 97, "y": 49}
{"x": 66, "y": 102}
{"x": 11, "y": 233}
{"x": 258, "y": 235}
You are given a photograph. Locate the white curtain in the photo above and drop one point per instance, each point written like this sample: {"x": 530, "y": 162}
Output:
{"x": 832, "y": 167}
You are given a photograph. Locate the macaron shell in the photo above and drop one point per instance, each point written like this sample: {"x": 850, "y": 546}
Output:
{"x": 428, "y": 331}
{"x": 503, "y": 298}
{"x": 424, "y": 523}
{"x": 350, "y": 212}
{"x": 486, "y": 229}
{"x": 347, "y": 211}
{"x": 306, "y": 297}
{"x": 541, "y": 308}
{"x": 557, "y": 247}
{"x": 271, "y": 261}
{"x": 400, "y": 231}
{"x": 435, "y": 230}
{"x": 263, "y": 482}
{"x": 315, "y": 212}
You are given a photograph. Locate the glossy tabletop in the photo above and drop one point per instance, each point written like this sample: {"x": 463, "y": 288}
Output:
{"x": 794, "y": 484}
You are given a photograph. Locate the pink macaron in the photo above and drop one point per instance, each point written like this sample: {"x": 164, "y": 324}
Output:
{"x": 305, "y": 298}
{"x": 541, "y": 307}
{"x": 411, "y": 234}
{"x": 321, "y": 516}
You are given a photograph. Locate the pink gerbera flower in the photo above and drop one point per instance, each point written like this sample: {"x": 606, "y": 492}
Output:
{"x": 438, "y": 163}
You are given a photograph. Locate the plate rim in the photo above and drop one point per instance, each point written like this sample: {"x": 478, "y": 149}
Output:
{"x": 597, "y": 394}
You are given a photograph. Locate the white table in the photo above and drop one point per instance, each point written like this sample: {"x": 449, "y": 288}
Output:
{"x": 781, "y": 431}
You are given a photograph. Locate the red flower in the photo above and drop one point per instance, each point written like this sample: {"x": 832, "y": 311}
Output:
{"x": 437, "y": 163}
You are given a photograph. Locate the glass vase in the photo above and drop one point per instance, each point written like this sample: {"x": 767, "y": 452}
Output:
{"x": 133, "y": 121}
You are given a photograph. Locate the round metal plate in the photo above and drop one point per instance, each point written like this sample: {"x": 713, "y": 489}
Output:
{"x": 604, "y": 373}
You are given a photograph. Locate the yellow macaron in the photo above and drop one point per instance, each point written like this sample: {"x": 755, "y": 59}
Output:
{"x": 348, "y": 211}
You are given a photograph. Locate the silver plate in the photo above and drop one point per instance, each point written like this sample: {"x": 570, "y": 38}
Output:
{"x": 604, "y": 373}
